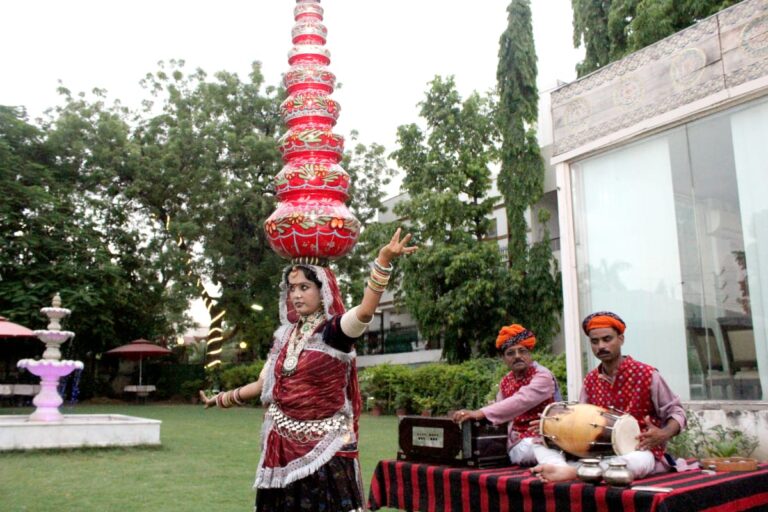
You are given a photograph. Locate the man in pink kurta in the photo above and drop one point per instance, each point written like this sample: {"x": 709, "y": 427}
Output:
{"x": 523, "y": 394}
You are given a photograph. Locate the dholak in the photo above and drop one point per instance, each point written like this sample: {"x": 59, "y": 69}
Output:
{"x": 587, "y": 430}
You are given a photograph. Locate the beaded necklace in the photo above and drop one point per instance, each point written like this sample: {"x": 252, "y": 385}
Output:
{"x": 299, "y": 337}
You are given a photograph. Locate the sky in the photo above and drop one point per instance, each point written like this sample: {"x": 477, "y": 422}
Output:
{"x": 383, "y": 53}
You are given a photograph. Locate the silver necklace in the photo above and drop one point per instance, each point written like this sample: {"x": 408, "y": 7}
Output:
{"x": 299, "y": 338}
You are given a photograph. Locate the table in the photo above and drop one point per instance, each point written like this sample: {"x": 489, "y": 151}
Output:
{"x": 433, "y": 488}
{"x": 141, "y": 391}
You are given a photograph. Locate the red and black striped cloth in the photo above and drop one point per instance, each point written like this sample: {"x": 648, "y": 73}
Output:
{"x": 429, "y": 488}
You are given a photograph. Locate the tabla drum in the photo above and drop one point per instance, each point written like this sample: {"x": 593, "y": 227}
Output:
{"x": 587, "y": 430}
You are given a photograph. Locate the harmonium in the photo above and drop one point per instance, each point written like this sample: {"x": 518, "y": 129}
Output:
{"x": 439, "y": 440}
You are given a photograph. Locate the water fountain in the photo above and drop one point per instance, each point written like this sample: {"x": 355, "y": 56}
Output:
{"x": 47, "y": 427}
{"x": 50, "y": 368}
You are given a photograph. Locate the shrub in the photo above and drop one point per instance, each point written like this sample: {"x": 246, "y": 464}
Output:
{"x": 240, "y": 375}
{"x": 385, "y": 385}
{"x": 442, "y": 387}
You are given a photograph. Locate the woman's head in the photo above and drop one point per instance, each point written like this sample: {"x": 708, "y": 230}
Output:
{"x": 321, "y": 277}
{"x": 304, "y": 290}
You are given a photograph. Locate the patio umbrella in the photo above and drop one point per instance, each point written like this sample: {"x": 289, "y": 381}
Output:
{"x": 11, "y": 330}
{"x": 138, "y": 350}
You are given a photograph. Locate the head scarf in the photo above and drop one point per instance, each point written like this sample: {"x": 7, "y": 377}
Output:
{"x": 329, "y": 291}
{"x": 515, "y": 334}
{"x": 601, "y": 320}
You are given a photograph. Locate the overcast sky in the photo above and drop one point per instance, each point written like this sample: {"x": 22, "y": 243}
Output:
{"x": 383, "y": 52}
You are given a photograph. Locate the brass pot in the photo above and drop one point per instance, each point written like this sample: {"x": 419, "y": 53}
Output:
{"x": 617, "y": 474}
{"x": 589, "y": 471}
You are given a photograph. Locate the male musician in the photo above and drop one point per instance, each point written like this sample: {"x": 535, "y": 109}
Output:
{"x": 523, "y": 394}
{"x": 631, "y": 386}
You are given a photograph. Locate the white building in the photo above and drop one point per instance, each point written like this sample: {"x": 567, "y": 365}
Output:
{"x": 662, "y": 171}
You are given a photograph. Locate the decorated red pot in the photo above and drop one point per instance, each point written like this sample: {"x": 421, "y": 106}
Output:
{"x": 311, "y": 220}
{"x": 309, "y": 31}
{"x": 309, "y": 76}
{"x": 308, "y": 10}
{"x": 309, "y": 53}
{"x": 312, "y": 226}
{"x": 308, "y": 174}
{"x": 316, "y": 139}
{"x": 310, "y": 106}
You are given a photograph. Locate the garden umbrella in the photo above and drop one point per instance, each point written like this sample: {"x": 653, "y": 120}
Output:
{"x": 138, "y": 350}
{"x": 11, "y": 330}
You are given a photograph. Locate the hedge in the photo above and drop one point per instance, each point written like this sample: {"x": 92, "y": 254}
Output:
{"x": 442, "y": 387}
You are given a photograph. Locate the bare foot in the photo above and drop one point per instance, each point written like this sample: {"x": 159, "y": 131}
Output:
{"x": 554, "y": 473}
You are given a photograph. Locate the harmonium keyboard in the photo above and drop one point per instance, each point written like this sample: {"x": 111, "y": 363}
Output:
{"x": 439, "y": 440}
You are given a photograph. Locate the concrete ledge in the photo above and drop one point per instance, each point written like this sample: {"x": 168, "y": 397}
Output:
{"x": 78, "y": 431}
{"x": 415, "y": 357}
{"x": 751, "y": 417}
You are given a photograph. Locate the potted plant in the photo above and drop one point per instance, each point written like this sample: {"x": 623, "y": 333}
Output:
{"x": 426, "y": 404}
{"x": 717, "y": 448}
{"x": 729, "y": 450}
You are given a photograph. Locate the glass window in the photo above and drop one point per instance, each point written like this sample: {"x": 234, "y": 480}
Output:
{"x": 627, "y": 252}
{"x": 667, "y": 233}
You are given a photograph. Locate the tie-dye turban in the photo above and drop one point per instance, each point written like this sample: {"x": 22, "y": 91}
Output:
{"x": 603, "y": 319}
{"x": 515, "y": 334}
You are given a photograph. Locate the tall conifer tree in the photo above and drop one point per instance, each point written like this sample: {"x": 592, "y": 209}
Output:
{"x": 533, "y": 294}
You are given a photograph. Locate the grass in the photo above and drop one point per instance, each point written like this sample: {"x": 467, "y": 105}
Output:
{"x": 207, "y": 462}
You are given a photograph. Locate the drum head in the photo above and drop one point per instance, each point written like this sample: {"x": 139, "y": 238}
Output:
{"x": 624, "y": 435}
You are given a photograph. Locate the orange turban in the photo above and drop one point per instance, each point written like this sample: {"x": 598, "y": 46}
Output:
{"x": 513, "y": 335}
{"x": 601, "y": 320}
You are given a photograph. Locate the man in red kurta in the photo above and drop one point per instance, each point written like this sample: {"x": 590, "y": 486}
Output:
{"x": 630, "y": 386}
{"x": 523, "y": 394}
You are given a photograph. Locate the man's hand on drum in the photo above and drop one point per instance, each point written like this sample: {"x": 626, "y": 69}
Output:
{"x": 463, "y": 415}
{"x": 654, "y": 436}
{"x": 534, "y": 426}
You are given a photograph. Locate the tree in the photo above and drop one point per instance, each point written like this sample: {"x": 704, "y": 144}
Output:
{"x": 611, "y": 29}
{"x": 136, "y": 207}
{"x": 451, "y": 284}
{"x": 533, "y": 294}
{"x": 60, "y": 235}
{"x": 369, "y": 173}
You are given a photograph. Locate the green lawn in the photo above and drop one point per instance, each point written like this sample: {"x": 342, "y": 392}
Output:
{"x": 207, "y": 462}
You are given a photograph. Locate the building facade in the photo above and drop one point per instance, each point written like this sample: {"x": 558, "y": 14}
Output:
{"x": 661, "y": 162}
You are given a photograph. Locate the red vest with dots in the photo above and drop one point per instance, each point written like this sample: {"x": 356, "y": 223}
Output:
{"x": 508, "y": 386}
{"x": 630, "y": 392}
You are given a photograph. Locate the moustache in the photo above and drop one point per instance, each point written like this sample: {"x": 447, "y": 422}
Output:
{"x": 603, "y": 353}
{"x": 518, "y": 361}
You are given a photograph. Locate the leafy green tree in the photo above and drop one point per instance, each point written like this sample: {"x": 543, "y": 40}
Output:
{"x": 451, "y": 284}
{"x": 369, "y": 173}
{"x": 60, "y": 236}
{"x": 533, "y": 294}
{"x": 611, "y": 29}
{"x": 135, "y": 207}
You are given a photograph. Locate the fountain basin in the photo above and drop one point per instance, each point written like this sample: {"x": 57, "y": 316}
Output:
{"x": 49, "y": 368}
{"x": 77, "y": 431}
{"x": 48, "y": 400}
{"x": 57, "y": 313}
{"x": 53, "y": 339}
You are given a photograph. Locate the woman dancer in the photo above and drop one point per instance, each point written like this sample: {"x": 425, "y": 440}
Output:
{"x": 309, "y": 436}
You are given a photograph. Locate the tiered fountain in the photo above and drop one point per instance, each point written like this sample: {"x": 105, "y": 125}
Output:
{"x": 51, "y": 368}
{"x": 46, "y": 427}
{"x": 311, "y": 223}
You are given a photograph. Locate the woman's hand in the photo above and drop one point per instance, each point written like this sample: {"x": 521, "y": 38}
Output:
{"x": 207, "y": 402}
{"x": 395, "y": 248}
